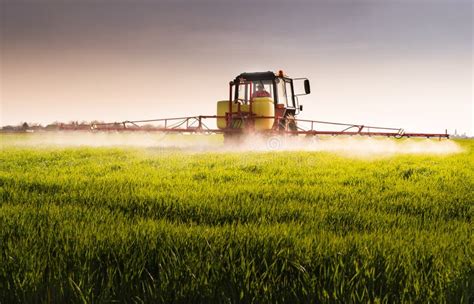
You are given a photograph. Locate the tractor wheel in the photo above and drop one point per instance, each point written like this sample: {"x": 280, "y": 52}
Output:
{"x": 291, "y": 123}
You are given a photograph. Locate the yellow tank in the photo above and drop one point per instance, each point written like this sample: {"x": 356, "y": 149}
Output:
{"x": 263, "y": 106}
{"x": 223, "y": 107}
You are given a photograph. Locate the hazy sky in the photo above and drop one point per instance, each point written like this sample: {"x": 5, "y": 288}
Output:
{"x": 396, "y": 63}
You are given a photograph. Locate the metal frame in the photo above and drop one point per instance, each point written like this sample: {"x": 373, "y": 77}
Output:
{"x": 199, "y": 124}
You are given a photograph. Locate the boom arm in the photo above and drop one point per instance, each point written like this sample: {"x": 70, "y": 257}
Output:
{"x": 200, "y": 124}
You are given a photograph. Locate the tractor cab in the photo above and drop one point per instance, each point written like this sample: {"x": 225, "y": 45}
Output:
{"x": 261, "y": 101}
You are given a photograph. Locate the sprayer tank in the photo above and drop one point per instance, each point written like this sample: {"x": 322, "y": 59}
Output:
{"x": 261, "y": 106}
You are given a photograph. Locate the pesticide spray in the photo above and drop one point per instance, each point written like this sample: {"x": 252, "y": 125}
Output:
{"x": 349, "y": 146}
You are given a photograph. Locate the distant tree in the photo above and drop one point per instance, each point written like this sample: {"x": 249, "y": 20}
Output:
{"x": 9, "y": 128}
{"x": 52, "y": 127}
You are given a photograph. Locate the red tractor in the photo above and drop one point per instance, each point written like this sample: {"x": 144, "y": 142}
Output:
{"x": 262, "y": 102}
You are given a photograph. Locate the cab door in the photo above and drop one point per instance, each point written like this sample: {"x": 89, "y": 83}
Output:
{"x": 285, "y": 107}
{"x": 285, "y": 92}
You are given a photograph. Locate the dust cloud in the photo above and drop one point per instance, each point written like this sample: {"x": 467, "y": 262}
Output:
{"x": 354, "y": 146}
{"x": 349, "y": 146}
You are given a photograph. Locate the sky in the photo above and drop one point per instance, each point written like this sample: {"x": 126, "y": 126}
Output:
{"x": 391, "y": 63}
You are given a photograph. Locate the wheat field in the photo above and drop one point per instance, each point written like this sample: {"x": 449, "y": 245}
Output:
{"x": 127, "y": 224}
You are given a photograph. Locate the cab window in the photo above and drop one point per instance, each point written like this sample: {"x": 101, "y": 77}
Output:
{"x": 259, "y": 87}
{"x": 285, "y": 92}
{"x": 243, "y": 92}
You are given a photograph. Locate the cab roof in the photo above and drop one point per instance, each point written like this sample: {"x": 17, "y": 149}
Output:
{"x": 269, "y": 75}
